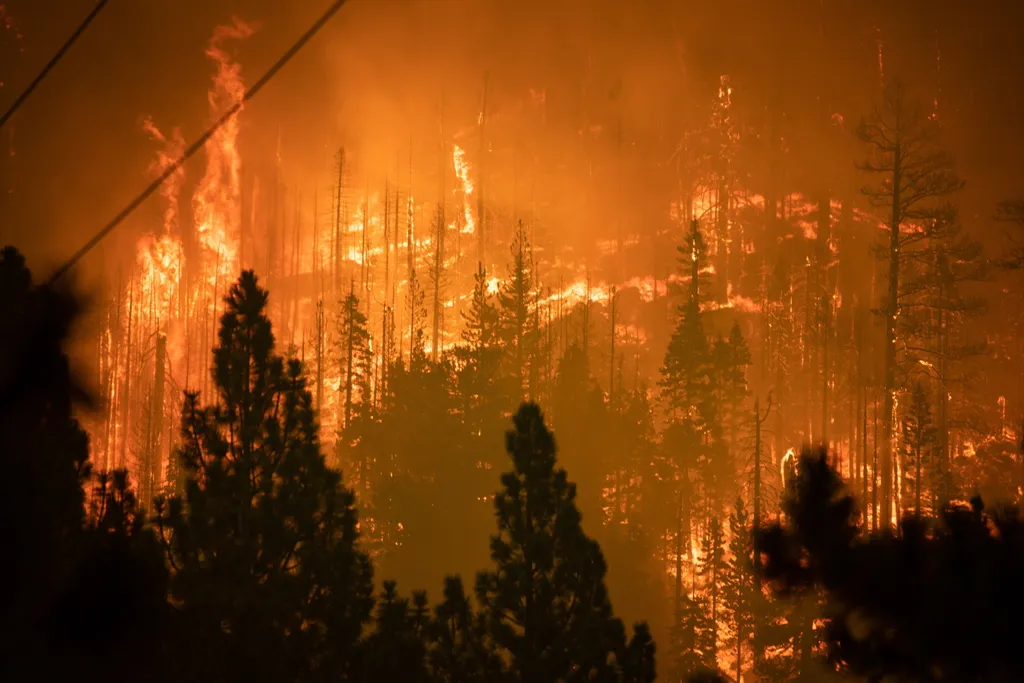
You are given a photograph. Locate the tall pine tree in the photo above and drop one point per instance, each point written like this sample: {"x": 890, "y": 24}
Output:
{"x": 267, "y": 573}
{"x": 545, "y": 603}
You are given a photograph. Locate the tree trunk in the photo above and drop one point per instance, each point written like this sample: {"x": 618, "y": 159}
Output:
{"x": 890, "y": 311}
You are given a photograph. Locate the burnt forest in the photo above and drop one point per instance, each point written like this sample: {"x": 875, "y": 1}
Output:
{"x": 451, "y": 341}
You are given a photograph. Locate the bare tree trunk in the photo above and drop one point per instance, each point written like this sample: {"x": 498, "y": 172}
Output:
{"x": 339, "y": 232}
{"x": 481, "y": 218}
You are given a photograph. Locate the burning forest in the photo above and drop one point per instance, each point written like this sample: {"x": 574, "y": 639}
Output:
{"x": 722, "y": 331}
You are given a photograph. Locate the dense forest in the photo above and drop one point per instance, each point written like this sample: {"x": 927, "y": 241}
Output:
{"x": 665, "y": 363}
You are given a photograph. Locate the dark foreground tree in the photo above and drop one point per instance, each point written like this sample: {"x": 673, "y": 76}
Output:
{"x": 940, "y": 602}
{"x": 43, "y": 456}
{"x": 545, "y": 604}
{"x": 458, "y": 650}
{"x": 78, "y": 588}
{"x": 114, "y": 608}
{"x": 396, "y": 649}
{"x": 267, "y": 575}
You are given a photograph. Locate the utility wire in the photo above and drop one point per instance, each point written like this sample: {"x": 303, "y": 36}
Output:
{"x": 202, "y": 140}
{"x": 53, "y": 62}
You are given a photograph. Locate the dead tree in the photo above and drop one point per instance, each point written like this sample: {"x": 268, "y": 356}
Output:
{"x": 914, "y": 176}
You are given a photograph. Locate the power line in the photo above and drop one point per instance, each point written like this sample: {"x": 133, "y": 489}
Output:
{"x": 202, "y": 140}
{"x": 53, "y": 62}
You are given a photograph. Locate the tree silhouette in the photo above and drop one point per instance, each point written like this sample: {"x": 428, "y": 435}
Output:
{"x": 267, "y": 575}
{"x": 545, "y": 604}
{"x": 739, "y": 600}
{"x": 356, "y": 363}
{"x": 43, "y": 454}
{"x": 891, "y": 600}
{"x": 918, "y": 442}
{"x": 459, "y": 652}
{"x": 685, "y": 373}
{"x": 580, "y": 418}
{"x": 516, "y": 315}
{"x": 396, "y": 649}
{"x": 81, "y": 586}
{"x": 115, "y": 607}
{"x": 713, "y": 571}
{"x": 915, "y": 175}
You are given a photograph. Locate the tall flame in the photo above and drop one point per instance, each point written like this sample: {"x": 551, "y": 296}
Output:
{"x": 462, "y": 173}
{"x": 216, "y": 202}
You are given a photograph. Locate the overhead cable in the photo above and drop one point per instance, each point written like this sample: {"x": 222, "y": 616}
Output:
{"x": 200, "y": 141}
{"x": 52, "y": 63}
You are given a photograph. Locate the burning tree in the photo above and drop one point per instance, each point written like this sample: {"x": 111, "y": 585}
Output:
{"x": 915, "y": 175}
{"x": 545, "y": 604}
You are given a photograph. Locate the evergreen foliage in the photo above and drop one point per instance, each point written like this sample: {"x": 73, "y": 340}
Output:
{"x": 266, "y": 570}
{"x": 545, "y": 603}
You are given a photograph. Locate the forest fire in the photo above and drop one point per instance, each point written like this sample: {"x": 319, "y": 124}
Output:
{"x": 380, "y": 249}
{"x": 635, "y": 254}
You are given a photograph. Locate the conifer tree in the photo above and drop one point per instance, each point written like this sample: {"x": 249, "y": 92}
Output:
{"x": 459, "y": 652}
{"x": 485, "y": 395}
{"x": 579, "y": 417}
{"x": 638, "y": 665}
{"x": 915, "y": 177}
{"x": 713, "y": 571}
{"x": 738, "y": 598}
{"x": 356, "y": 362}
{"x": 355, "y": 356}
{"x": 115, "y": 607}
{"x": 731, "y": 377}
{"x": 268, "y": 576}
{"x": 918, "y": 442}
{"x": 44, "y": 455}
{"x": 481, "y": 320}
{"x": 545, "y": 603}
{"x": 515, "y": 306}
{"x": 685, "y": 373}
{"x": 396, "y": 649}
{"x": 416, "y": 314}
{"x": 936, "y": 310}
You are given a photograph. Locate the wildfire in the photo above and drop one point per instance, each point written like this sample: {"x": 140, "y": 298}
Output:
{"x": 462, "y": 173}
{"x": 216, "y": 203}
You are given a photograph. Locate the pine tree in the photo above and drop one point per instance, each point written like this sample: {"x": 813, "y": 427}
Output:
{"x": 486, "y": 396}
{"x": 355, "y": 356}
{"x": 356, "y": 362}
{"x": 268, "y": 577}
{"x": 918, "y": 442}
{"x": 638, "y": 665}
{"x": 731, "y": 377}
{"x": 515, "y": 308}
{"x": 44, "y": 456}
{"x": 396, "y": 649}
{"x": 935, "y": 318}
{"x": 915, "y": 176}
{"x": 115, "y": 606}
{"x": 545, "y": 603}
{"x": 580, "y": 418}
{"x": 416, "y": 314}
{"x": 459, "y": 652}
{"x": 713, "y": 571}
{"x": 684, "y": 375}
{"x": 635, "y": 446}
{"x": 481, "y": 320}
{"x": 738, "y": 598}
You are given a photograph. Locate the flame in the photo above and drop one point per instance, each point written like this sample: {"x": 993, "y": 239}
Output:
{"x": 462, "y": 173}
{"x": 216, "y": 203}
